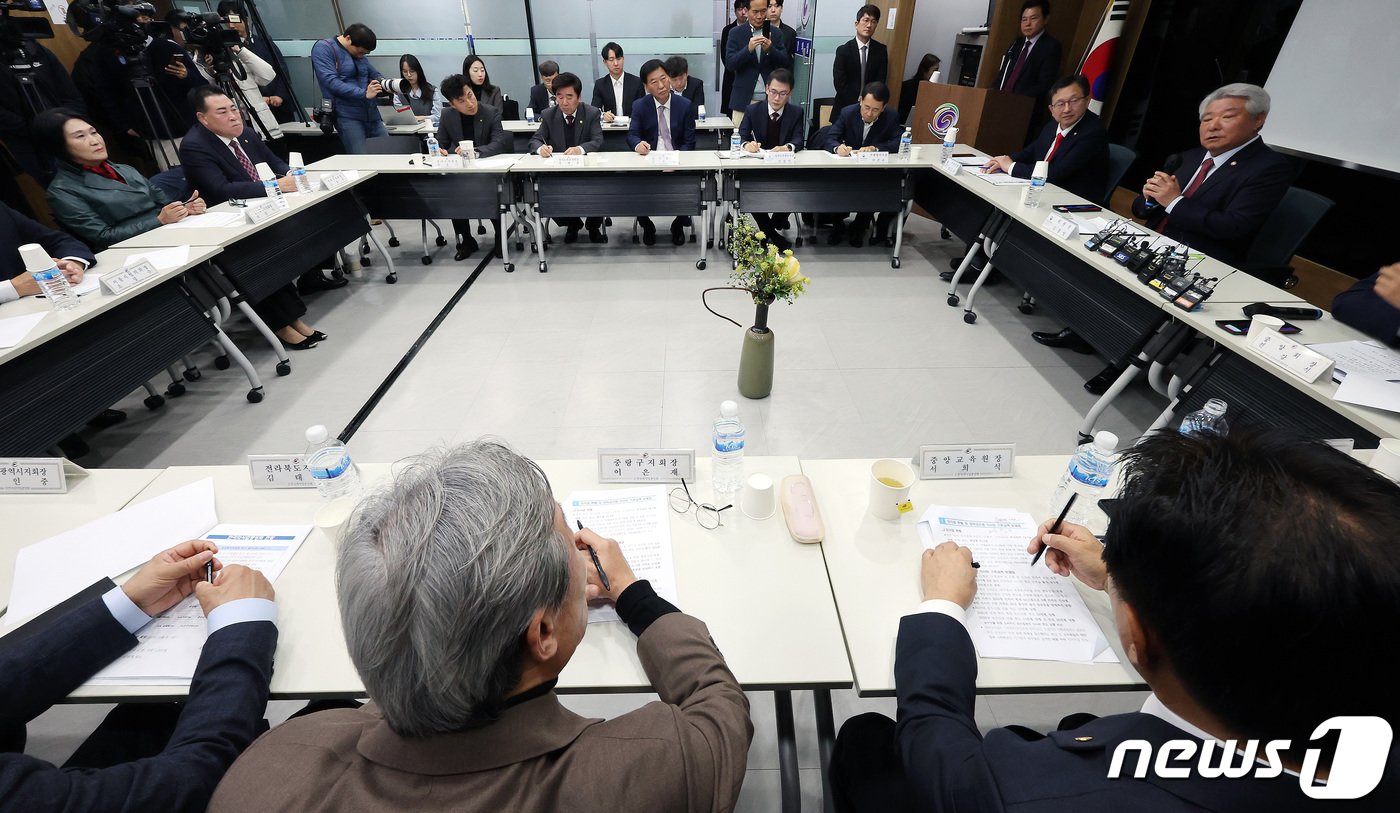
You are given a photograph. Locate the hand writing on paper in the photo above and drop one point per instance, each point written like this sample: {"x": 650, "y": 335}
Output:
{"x": 947, "y": 573}
{"x": 170, "y": 576}
{"x": 1074, "y": 550}
{"x": 610, "y": 556}
{"x": 234, "y": 582}
{"x": 643, "y": 148}
{"x": 1000, "y": 163}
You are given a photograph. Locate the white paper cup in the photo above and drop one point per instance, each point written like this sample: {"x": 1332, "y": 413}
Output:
{"x": 758, "y": 500}
{"x": 332, "y": 517}
{"x": 1386, "y": 460}
{"x": 1260, "y": 321}
{"x": 885, "y": 498}
{"x": 936, "y": 76}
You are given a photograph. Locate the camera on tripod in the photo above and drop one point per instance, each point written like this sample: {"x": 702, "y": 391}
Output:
{"x": 211, "y": 35}
{"x": 117, "y": 24}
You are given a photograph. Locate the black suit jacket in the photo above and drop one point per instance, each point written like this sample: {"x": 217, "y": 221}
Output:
{"x": 1360, "y": 307}
{"x": 754, "y": 127}
{"x": 221, "y": 718}
{"x": 603, "y": 97}
{"x": 487, "y": 135}
{"x": 726, "y": 82}
{"x": 1079, "y": 165}
{"x": 952, "y": 767}
{"x": 1041, "y": 70}
{"x": 884, "y": 133}
{"x": 211, "y": 167}
{"x": 694, "y": 91}
{"x": 540, "y": 100}
{"x": 17, "y": 230}
{"x": 1225, "y": 214}
{"x": 845, "y": 70}
{"x": 588, "y": 129}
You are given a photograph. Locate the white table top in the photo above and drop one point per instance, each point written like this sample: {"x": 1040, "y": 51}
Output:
{"x": 619, "y": 162}
{"x": 710, "y": 123}
{"x": 311, "y": 128}
{"x": 874, "y": 569}
{"x": 93, "y": 304}
{"x": 808, "y": 159}
{"x": 765, "y": 598}
{"x": 30, "y": 518}
{"x": 496, "y": 164}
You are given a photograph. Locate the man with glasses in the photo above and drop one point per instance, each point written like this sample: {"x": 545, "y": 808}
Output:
{"x": 869, "y": 126}
{"x": 776, "y": 126}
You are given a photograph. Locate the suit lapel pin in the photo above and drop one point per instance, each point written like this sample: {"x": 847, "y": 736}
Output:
{"x": 1083, "y": 739}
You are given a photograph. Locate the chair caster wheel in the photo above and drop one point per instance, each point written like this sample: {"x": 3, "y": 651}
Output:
{"x": 519, "y": 247}
{"x": 953, "y": 300}
{"x": 364, "y": 261}
{"x": 894, "y": 262}
{"x": 1026, "y": 307}
{"x": 255, "y": 396}
{"x": 192, "y": 374}
{"x": 364, "y": 249}
{"x": 393, "y": 242}
{"x": 510, "y": 268}
{"x": 544, "y": 267}
{"x": 709, "y": 243}
{"x": 154, "y": 402}
{"x": 700, "y": 264}
{"x": 221, "y": 363}
{"x": 426, "y": 260}
{"x": 970, "y": 317}
{"x": 391, "y": 278}
{"x": 607, "y": 221}
{"x": 442, "y": 241}
{"x": 284, "y": 368}
{"x": 797, "y": 242}
{"x": 945, "y": 234}
{"x": 175, "y": 390}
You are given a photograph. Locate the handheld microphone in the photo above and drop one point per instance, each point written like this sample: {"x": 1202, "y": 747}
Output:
{"x": 1300, "y": 314}
{"x": 1169, "y": 166}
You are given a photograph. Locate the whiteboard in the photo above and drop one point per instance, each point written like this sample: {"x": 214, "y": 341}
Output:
{"x": 1334, "y": 86}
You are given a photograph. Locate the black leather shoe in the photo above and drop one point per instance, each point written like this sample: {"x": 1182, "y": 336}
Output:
{"x": 466, "y": 248}
{"x": 836, "y": 236}
{"x": 648, "y": 233}
{"x": 597, "y": 236}
{"x": 317, "y": 336}
{"x": 677, "y": 233}
{"x": 310, "y": 284}
{"x": 780, "y": 242}
{"x": 782, "y": 222}
{"x": 106, "y": 418}
{"x": 954, "y": 262}
{"x": 1099, "y": 384}
{"x": 571, "y": 235}
{"x": 496, "y": 252}
{"x": 1065, "y": 339}
{"x": 305, "y": 344}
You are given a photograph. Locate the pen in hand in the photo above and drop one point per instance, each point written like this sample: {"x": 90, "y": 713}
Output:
{"x": 603, "y": 577}
{"x": 1054, "y": 529}
{"x": 209, "y": 571}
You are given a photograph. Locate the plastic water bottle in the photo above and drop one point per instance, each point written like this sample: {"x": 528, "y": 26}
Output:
{"x": 728, "y": 457}
{"x": 1088, "y": 474}
{"x": 1032, "y": 194}
{"x": 330, "y": 465}
{"x": 297, "y": 169}
{"x": 432, "y": 145}
{"x": 51, "y": 280}
{"x": 700, "y": 113}
{"x": 735, "y": 145}
{"x": 270, "y": 188}
{"x": 906, "y": 144}
{"x": 950, "y": 140}
{"x": 1208, "y": 420}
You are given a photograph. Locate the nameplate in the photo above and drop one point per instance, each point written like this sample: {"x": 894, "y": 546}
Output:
{"x": 1061, "y": 227}
{"x": 279, "y": 471}
{"x": 563, "y": 160}
{"x": 946, "y": 462}
{"x": 334, "y": 180}
{"x": 952, "y": 167}
{"x": 114, "y": 282}
{"x": 37, "y": 475}
{"x": 664, "y": 158}
{"x": 646, "y": 465}
{"x": 449, "y": 162}
{"x": 786, "y": 157}
{"x": 1301, "y": 361}
{"x": 261, "y": 211}
{"x": 872, "y": 157}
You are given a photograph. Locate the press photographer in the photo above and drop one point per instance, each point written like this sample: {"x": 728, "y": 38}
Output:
{"x": 32, "y": 80}
{"x": 223, "y": 61}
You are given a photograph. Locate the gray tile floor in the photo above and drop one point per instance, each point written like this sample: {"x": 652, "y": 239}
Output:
{"x": 612, "y": 347}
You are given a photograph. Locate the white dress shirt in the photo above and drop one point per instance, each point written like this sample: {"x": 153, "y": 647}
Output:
{"x": 1218, "y": 161}
{"x": 238, "y": 611}
{"x": 7, "y": 288}
{"x": 1060, "y": 131}
{"x": 617, "y": 94}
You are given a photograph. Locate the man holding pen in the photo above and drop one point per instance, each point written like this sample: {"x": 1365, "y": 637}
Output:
{"x": 869, "y": 125}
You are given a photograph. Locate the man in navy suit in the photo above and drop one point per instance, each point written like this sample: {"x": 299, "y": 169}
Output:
{"x": 67, "y": 251}
{"x": 869, "y": 126}
{"x": 1246, "y": 589}
{"x": 1372, "y": 305}
{"x": 1032, "y": 62}
{"x": 691, "y": 87}
{"x": 615, "y": 93}
{"x": 776, "y": 126}
{"x": 661, "y": 120}
{"x": 220, "y": 155}
{"x": 136, "y": 760}
{"x": 750, "y": 55}
{"x": 542, "y": 95}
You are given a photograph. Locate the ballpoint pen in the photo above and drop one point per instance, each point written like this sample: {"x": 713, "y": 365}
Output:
{"x": 603, "y": 577}
{"x": 1054, "y": 529}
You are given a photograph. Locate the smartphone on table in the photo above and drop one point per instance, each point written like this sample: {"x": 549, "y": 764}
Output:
{"x": 1240, "y": 327}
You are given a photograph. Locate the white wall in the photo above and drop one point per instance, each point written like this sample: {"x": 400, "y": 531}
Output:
{"x": 936, "y": 24}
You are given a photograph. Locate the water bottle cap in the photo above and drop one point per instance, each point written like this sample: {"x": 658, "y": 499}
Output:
{"x": 294, "y": 159}
{"x": 1106, "y": 441}
{"x": 36, "y": 258}
{"x": 729, "y": 409}
{"x": 265, "y": 172}
{"x": 316, "y": 434}
{"x": 1215, "y": 406}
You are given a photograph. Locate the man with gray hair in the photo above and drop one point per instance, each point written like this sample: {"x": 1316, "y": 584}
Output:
{"x": 463, "y": 594}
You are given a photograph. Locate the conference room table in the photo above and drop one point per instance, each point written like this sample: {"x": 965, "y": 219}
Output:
{"x": 615, "y": 135}
{"x": 76, "y": 363}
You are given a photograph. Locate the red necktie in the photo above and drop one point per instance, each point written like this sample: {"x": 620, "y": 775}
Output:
{"x": 1191, "y": 188}
{"x": 1050, "y": 156}
{"x": 1015, "y": 74}
{"x": 243, "y": 160}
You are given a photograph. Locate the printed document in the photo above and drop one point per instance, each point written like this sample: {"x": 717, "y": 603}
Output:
{"x": 15, "y": 328}
{"x": 640, "y": 520}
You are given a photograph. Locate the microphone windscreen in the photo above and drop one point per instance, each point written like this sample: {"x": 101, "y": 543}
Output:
{"x": 1170, "y": 165}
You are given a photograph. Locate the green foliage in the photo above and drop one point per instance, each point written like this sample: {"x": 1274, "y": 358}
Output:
{"x": 760, "y": 269}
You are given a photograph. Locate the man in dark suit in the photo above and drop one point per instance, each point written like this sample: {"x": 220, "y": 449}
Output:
{"x": 465, "y": 119}
{"x": 141, "y": 757}
{"x": 860, "y": 61}
{"x": 220, "y": 155}
{"x": 1372, "y": 305}
{"x": 542, "y": 95}
{"x": 752, "y": 56}
{"x": 571, "y": 128}
{"x": 773, "y": 125}
{"x": 691, "y": 87}
{"x": 1032, "y": 63}
{"x": 615, "y": 93}
{"x": 661, "y": 120}
{"x": 726, "y": 84}
{"x": 68, "y": 253}
{"x": 53, "y": 87}
{"x": 1213, "y": 627}
{"x": 870, "y": 126}
{"x": 784, "y": 34}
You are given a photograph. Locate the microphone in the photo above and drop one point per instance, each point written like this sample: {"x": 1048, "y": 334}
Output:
{"x": 1300, "y": 314}
{"x": 1170, "y": 167}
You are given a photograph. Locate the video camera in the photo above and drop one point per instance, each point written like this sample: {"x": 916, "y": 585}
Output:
{"x": 113, "y": 21}
{"x": 16, "y": 31}
{"x": 211, "y": 35}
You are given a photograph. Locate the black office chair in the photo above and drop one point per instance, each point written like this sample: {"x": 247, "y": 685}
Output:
{"x": 1286, "y": 229}
{"x": 1119, "y": 159}
{"x": 402, "y": 145}
{"x": 510, "y": 110}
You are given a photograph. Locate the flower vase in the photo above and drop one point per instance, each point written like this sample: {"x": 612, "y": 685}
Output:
{"x": 756, "y": 357}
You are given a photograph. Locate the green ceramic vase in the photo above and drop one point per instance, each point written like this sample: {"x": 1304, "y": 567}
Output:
{"x": 756, "y": 357}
